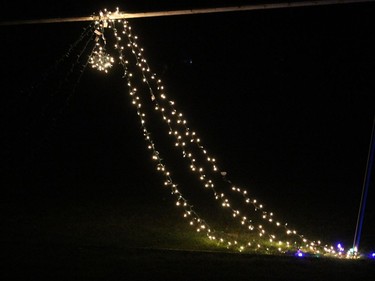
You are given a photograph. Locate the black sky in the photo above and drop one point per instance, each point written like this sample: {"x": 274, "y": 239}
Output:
{"x": 284, "y": 99}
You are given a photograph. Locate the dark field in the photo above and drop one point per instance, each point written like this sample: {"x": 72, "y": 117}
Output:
{"x": 102, "y": 238}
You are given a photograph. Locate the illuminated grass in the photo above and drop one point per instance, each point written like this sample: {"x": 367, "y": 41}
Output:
{"x": 120, "y": 223}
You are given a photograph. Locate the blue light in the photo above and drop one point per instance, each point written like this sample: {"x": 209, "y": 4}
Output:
{"x": 340, "y": 248}
{"x": 299, "y": 254}
{"x": 372, "y": 255}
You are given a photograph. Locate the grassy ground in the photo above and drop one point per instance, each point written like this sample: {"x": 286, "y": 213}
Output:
{"x": 122, "y": 238}
{"x": 101, "y": 222}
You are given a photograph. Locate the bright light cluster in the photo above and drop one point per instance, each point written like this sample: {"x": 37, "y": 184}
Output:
{"x": 188, "y": 141}
{"x": 101, "y": 60}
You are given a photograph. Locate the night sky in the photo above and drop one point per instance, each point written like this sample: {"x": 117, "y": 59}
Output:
{"x": 283, "y": 98}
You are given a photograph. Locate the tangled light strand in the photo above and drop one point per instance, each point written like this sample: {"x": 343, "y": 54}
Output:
{"x": 145, "y": 69}
{"x": 189, "y": 212}
{"x": 142, "y": 64}
{"x": 99, "y": 59}
{"x": 182, "y": 139}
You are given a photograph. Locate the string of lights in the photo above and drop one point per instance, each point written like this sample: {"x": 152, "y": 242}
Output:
{"x": 87, "y": 32}
{"x": 145, "y": 70}
{"x": 81, "y": 70}
{"x": 194, "y": 219}
{"x": 75, "y": 60}
{"x": 208, "y": 183}
{"x": 186, "y": 139}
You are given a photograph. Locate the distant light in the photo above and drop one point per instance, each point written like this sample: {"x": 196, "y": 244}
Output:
{"x": 299, "y": 254}
{"x": 372, "y": 255}
{"x": 353, "y": 253}
{"x": 340, "y": 248}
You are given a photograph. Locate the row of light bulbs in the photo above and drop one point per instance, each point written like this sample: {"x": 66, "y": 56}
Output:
{"x": 184, "y": 138}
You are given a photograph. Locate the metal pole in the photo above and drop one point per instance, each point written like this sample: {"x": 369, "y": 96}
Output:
{"x": 366, "y": 184}
{"x": 123, "y": 15}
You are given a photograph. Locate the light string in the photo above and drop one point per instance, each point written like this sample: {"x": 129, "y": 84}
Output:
{"x": 70, "y": 72}
{"x": 208, "y": 183}
{"x": 87, "y": 31}
{"x": 100, "y": 59}
{"x": 195, "y": 219}
{"x": 81, "y": 71}
{"x": 144, "y": 67}
{"x": 161, "y": 167}
{"x": 183, "y": 140}
{"x": 180, "y": 143}
{"x": 140, "y": 61}
{"x": 54, "y": 111}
